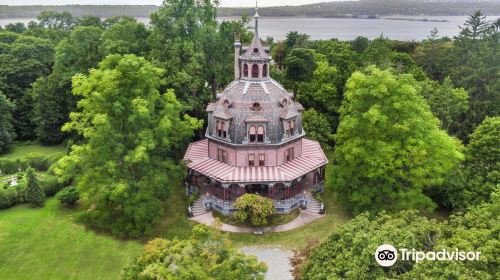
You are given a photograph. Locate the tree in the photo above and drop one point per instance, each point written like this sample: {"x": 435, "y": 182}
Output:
{"x": 359, "y": 44}
{"x": 6, "y": 128}
{"x": 207, "y": 254}
{"x": 176, "y": 46}
{"x": 17, "y": 27}
{"x": 68, "y": 196}
{"x": 132, "y": 139}
{"x": 253, "y": 208}
{"x": 300, "y": 66}
{"x": 446, "y": 102}
{"x": 56, "y": 20}
{"x": 389, "y": 147}
{"x": 34, "y": 194}
{"x": 317, "y": 127}
{"x": 480, "y": 173}
{"x": 52, "y": 96}
{"x": 349, "y": 252}
{"x": 126, "y": 36}
{"x": 22, "y": 61}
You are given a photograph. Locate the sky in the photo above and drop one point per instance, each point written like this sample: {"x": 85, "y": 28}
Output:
{"x": 224, "y": 3}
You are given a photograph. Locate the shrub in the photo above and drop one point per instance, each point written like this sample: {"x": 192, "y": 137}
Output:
{"x": 8, "y": 166}
{"x": 34, "y": 194}
{"x": 50, "y": 185}
{"x": 68, "y": 195}
{"x": 12, "y": 195}
{"x": 36, "y": 161}
{"x": 254, "y": 208}
{"x": 194, "y": 197}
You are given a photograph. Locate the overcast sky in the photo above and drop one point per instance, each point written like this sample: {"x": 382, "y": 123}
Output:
{"x": 224, "y": 3}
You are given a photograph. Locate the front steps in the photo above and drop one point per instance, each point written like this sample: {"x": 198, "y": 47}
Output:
{"x": 313, "y": 205}
{"x": 198, "y": 208}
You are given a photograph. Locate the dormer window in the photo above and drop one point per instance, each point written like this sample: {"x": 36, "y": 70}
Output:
{"x": 290, "y": 127}
{"x": 221, "y": 129}
{"x": 256, "y": 134}
{"x": 255, "y": 71}
{"x": 255, "y": 50}
{"x": 264, "y": 70}
{"x": 256, "y": 106}
{"x": 252, "y": 133}
{"x": 260, "y": 134}
{"x": 245, "y": 70}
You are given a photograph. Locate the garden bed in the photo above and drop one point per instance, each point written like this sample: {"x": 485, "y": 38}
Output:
{"x": 273, "y": 220}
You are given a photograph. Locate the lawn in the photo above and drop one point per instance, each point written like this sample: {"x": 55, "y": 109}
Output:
{"x": 47, "y": 244}
{"x": 21, "y": 150}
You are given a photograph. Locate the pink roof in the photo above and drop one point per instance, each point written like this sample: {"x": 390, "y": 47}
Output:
{"x": 312, "y": 157}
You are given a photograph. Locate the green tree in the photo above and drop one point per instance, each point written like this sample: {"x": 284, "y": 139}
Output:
{"x": 126, "y": 36}
{"x": 17, "y": 27}
{"x": 56, "y": 20}
{"x": 6, "y": 128}
{"x": 317, "y": 127}
{"x": 22, "y": 60}
{"x": 207, "y": 254}
{"x": 132, "y": 139}
{"x": 253, "y": 208}
{"x": 300, "y": 65}
{"x": 446, "y": 102}
{"x": 389, "y": 147}
{"x": 34, "y": 193}
{"x": 480, "y": 174}
{"x": 52, "y": 96}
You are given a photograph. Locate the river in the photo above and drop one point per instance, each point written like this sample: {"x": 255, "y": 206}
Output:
{"x": 347, "y": 28}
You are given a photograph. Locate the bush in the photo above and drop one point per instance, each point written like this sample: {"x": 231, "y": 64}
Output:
{"x": 12, "y": 195}
{"x": 254, "y": 208}
{"x": 34, "y": 194}
{"x": 68, "y": 195}
{"x": 36, "y": 161}
{"x": 50, "y": 184}
{"x": 8, "y": 166}
{"x": 194, "y": 197}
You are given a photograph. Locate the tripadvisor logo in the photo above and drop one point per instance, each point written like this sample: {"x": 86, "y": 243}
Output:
{"x": 386, "y": 255}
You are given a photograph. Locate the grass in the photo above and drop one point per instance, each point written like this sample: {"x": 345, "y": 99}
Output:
{"x": 21, "y": 150}
{"x": 46, "y": 243}
{"x": 273, "y": 220}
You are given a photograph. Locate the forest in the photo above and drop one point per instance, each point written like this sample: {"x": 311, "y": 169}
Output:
{"x": 412, "y": 126}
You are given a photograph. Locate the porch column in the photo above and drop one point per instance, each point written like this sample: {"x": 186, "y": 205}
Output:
{"x": 299, "y": 184}
{"x": 241, "y": 189}
{"x": 225, "y": 188}
{"x": 271, "y": 190}
{"x": 287, "y": 190}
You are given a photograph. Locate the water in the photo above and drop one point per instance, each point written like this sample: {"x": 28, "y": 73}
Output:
{"x": 345, "y": 28}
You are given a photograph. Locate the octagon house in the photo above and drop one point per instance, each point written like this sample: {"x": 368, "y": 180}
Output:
{"x": 254, "y": 142}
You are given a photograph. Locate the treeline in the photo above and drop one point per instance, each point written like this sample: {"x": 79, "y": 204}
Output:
{"x": 328, "y": 9}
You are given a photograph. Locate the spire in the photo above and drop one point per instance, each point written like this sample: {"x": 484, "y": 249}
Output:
{"x": 256, "y": 18}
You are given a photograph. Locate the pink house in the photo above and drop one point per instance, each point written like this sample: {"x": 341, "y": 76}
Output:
{"x": 254, "y": 141}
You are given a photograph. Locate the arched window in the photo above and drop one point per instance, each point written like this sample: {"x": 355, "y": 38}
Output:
{"x": 245, "y": 70}
{"x": 252, "y": 133}
{"x": 255, "y": 71}
{"x": 292, "y": 127}
{"x": 260, "y": 134}
{"x": 264, "y": 70}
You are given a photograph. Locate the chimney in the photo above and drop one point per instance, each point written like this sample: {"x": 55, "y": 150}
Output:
{"x": 237, "y": 46}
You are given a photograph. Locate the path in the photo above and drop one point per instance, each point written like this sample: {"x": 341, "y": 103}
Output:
{"x": 276, "y": 259}
{"x": 304, "y": 218}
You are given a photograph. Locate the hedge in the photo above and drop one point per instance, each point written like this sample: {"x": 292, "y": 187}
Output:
{"x": 38, "y": 161}
{"x": 13, "y": 195}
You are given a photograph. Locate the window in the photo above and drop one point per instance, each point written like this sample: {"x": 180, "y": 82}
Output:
{"x": 222, "y": 155}
{"x": 289, "y": 154}
{"x": 251, "y": 160}
{"x": 260, "y": 134}
{"x": 255, "y": 71}
{"x": 264, "y": 70}
{"x": 219, "y": 128}
{"x": 262, "y": 159}
{"x": 290, "y": 127}
{"x": 252, "y": 133}
{"x": 245, "y": 70}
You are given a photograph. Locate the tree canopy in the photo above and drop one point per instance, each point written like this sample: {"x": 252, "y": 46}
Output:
{"x": 389, "y": 147}
{"x": 132, "y": 138}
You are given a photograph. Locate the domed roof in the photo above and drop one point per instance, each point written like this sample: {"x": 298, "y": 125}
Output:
{"x": 260, "y": 102}
{"x": 254, "y": 99}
